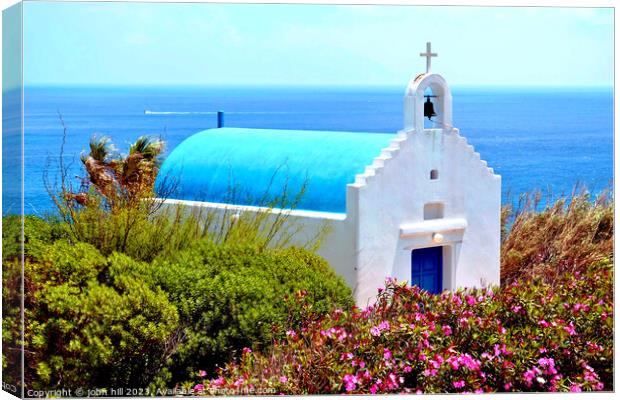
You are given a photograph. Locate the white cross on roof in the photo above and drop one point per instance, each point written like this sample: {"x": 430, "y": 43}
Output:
{"x": 428, "y": 56}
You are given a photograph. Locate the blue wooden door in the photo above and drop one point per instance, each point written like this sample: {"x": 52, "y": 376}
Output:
{"x": 426, "y": 266}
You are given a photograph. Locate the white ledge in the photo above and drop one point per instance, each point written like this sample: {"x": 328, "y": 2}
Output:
{"x": 431, "y": 226}
{"x": 242, "y": 208}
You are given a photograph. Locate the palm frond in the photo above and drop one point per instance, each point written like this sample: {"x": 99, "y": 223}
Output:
{"x": 100, "y": 148}
{"x": 149, "y": 148}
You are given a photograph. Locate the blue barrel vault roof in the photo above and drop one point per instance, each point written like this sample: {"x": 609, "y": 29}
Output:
{"x": 254, "y": 166}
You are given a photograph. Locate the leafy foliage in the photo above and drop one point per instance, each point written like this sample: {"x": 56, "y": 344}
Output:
{"x": 93, "y": 320}
{"x": 113, "y": 332}
{"x": 90, "y": 321}
{"x": 230, "y": 296}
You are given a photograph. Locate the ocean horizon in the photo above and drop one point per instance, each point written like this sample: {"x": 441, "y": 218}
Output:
{"x": 549, "y": 138}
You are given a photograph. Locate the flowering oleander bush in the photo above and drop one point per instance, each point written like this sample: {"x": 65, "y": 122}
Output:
{"x": 528, "y": 336}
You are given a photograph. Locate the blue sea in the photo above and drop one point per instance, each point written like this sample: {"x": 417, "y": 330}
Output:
{"x": 536, "y": 138}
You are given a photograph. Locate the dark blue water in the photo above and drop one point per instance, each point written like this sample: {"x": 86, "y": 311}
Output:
{"x": 534, "y": 138}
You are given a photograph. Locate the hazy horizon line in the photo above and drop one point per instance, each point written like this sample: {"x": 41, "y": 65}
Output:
{"x": 299, "y": 86}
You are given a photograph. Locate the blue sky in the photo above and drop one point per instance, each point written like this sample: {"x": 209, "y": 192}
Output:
{"x": 203, "y": 44}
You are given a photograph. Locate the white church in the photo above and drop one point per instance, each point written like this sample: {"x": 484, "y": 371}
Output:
{"x": 419, "y": 205}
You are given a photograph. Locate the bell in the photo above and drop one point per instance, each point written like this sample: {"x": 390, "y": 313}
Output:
{"x": 429, "y": 110}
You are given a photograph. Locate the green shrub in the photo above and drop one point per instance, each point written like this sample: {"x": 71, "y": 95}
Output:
{"x": 11, "y": 321}
{"x": 93, "y": 321}
{"x": 37, "y": 232}
{"x": 232, "y": 296}
{"x": 102, "y": 319}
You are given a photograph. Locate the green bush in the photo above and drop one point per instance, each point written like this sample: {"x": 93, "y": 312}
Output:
{"x": 232, "y": 296}
{"x": 11, "y": 321}
{"x": 37, "y": 232}
{"x": 99, "y": 320}
{"x": 93, "y": 321}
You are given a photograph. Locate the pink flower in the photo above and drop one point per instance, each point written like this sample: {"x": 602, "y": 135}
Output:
{"x": 497, "y": 349}
{"x": 507, "y": 386}
{"x": 570, "y": 328}
{"x": 530, "y": 374}
{"x": 578, "y": 307}
{"x": 446, "y": 330}
{"x": 436, "y": 363}
{"x": 199, "y": 387}
{"x": 393, "y": 381}
{"x": 373, "y": 389}
{"x": 575, "y": 388}
{"x": 469, "y": 362}
{"x": 247, "y": 350}
{"x": 594, "y": 347}
{"x": 350, "y": 382}
{"x": 283, "y": 379}
{"x": 545, "y": 362}
{"x": 384, "y": 325}
{"x": 376, "y": 330}
{"x": 590, "y": 376}
{"x": 471, "y": 300}
{"x": 549, "y": 365}
{"x": 218, "y": 382}
{"x": 239, "y": 382}
{"x": 543, "y": 323}
{"x": 387, "y": 354}
{"x": 202, "y": 373}
{"x": 459, "y": 384}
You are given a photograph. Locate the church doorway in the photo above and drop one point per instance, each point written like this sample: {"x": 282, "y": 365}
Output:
{"x": 426, "y": 268}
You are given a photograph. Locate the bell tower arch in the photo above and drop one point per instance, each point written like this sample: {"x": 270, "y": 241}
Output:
{"x": 415, "y": 98}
